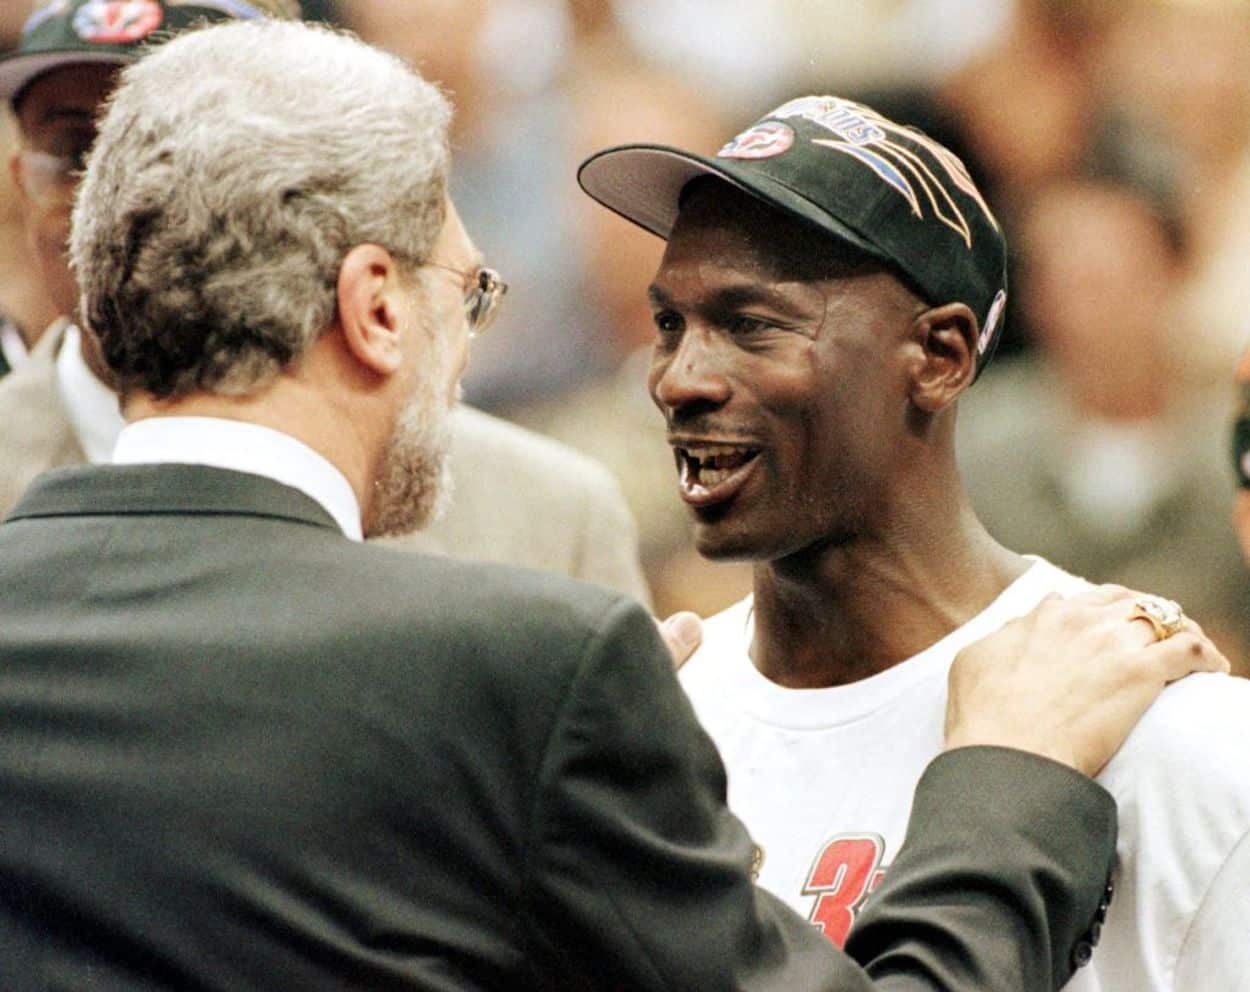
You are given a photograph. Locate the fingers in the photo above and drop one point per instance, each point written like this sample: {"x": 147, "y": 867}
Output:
{"x": 1105, "y": 594}
{"x": 682, "y": 633}
{"x": 1122, "y": 604}
{"x": 1181, "y": 654}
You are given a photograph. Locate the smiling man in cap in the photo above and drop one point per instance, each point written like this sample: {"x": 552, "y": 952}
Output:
{"x": 833, "y": 283}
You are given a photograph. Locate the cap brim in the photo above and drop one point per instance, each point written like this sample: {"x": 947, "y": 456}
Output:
{"x": 17, "y": 71}
{"x": 643, "y": 184}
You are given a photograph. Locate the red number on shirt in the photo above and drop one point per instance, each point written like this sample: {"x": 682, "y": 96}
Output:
{"x": 841, "y": 878}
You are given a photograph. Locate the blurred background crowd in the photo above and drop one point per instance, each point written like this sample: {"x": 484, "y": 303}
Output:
{"x": 1112, "y": 138}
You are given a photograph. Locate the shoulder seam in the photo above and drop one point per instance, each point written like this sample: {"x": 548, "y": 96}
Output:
{"x": 1184, "y": 943}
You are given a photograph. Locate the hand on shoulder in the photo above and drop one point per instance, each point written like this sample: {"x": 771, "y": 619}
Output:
{"x": 1070, "y": 680}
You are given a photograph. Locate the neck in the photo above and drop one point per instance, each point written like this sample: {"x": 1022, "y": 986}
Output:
{"x": 838, "y": 614}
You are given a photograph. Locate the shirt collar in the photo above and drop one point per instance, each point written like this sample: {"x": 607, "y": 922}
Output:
{"x": 242, "y": 447}
{"x": 91, "y": 405}
{"x": 12, "y": 345}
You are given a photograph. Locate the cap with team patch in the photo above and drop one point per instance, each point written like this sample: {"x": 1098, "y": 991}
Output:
{"x": 889, "y": 190}
{"x": 72, "y": 32}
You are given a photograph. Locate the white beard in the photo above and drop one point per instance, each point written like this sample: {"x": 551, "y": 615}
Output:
{"x": 414, "y": 484}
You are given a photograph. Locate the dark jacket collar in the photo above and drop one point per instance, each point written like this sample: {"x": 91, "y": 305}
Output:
{"x": 109, "y": 490}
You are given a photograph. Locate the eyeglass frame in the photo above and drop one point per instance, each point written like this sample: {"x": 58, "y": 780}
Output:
{"x": 482, "y": 299}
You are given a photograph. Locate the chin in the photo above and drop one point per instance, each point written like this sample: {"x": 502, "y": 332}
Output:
{"x": 722, "y": 542}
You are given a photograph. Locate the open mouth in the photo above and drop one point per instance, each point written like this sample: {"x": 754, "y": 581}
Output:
{"x": 712, "y": 473}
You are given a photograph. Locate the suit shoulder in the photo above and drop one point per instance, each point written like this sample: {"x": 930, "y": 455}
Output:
{"x": 480, "y": 600}
{"x": 516, "y": 453}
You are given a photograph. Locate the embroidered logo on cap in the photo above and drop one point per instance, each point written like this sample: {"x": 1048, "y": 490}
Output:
{"x": 766, "y": 140}
{"x": 865, "y": 135}
{"x": 117, "y": 22}
{"x": 232, "y": 8}
{"x": 44, "y": 12}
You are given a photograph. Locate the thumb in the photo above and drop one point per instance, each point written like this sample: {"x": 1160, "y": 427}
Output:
{"x": 683, "y": 633}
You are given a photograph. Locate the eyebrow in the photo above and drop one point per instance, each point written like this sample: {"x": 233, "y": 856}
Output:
{"x": 729, "y": 297}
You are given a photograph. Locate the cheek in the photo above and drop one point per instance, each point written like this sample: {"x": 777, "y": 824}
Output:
{"x": 659, "y": 365}
{"x": 460, "y": 363}
{"x": 1241, "y": 518}
{"x": 49, "y": 229}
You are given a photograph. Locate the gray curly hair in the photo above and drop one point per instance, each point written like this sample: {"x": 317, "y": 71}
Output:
{"x": 235, "y": 168}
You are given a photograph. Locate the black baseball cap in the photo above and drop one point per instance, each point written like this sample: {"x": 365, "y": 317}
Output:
{"x": 113, "y": 32}
{"x": 889, "y": 190}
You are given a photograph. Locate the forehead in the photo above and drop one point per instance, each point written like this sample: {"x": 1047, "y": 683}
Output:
{"x": 71, "y": 94}
{"x": 720, "y": 222}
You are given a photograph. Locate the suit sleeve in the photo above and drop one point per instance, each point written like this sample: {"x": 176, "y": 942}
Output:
{"x": 637, "y": 874}
{"x": 1007, "y": 853}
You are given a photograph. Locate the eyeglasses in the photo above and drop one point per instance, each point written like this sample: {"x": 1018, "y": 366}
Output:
{"x": 483, "y": 292}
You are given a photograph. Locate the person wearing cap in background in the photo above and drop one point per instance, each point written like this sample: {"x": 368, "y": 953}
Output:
{"x": 832, "y": 284}
{"x": 520, "y": 498}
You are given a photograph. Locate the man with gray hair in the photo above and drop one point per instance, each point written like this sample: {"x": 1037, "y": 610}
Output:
{"x": 563, "y": 511}
{"x": 239, "y": 749}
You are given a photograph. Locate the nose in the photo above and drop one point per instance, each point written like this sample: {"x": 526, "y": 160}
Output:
{"x": 691, "y": 378}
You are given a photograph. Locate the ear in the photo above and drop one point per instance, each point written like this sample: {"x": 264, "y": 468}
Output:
{"x": 947, "y": 336}
{"x": 368, "y": 311}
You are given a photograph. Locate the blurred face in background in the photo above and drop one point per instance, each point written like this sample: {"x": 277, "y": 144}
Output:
{"x": 615, "y": 102}
{"x": 1023, "y": 105}
{"x": 56, "y": 124}
{"x": 1100, "y": 273}
{"x": 1187, "y": 67}
{"x": 439, "y": 38}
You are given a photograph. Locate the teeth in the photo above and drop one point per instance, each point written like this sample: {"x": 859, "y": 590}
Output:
{"x": 710, "y": 476}
{"x": 707, "y": 465}
{"x": 705, "y": 451}
{"x": 688, "y": 476}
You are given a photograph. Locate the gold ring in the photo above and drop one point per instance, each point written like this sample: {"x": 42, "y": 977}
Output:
{"x": 1164, "y": 616}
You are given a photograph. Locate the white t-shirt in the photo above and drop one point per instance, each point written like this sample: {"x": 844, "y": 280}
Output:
{"x": 823, "y": 779}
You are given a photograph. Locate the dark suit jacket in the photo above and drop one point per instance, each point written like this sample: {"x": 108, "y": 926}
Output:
{"x": 238, "y": 751}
